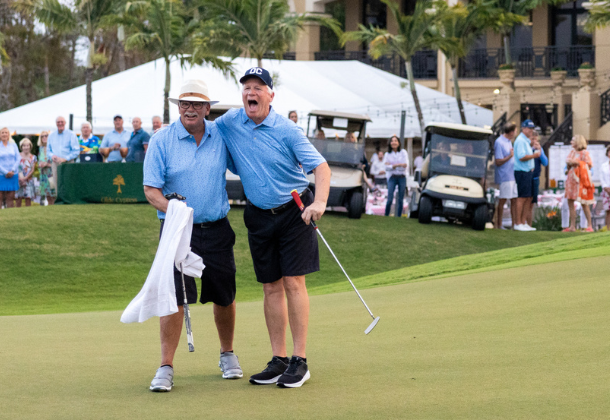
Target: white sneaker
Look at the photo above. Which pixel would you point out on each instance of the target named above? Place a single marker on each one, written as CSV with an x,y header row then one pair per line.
x,y
530,228
520,228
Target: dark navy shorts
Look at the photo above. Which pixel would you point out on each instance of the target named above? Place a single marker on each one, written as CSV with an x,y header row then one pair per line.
x,y
214,244
525,184
535,190
281,244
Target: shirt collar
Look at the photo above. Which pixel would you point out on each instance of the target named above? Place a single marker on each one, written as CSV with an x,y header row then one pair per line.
x,y
183,134
269,121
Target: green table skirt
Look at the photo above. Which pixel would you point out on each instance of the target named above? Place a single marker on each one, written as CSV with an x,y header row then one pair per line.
x,y
115,182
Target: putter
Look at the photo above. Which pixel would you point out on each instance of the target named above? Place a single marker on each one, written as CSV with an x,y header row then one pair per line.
x,y
297,200
187,315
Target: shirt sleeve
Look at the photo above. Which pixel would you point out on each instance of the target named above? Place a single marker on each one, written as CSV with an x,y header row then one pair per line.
x,y
145,138
104,141
230,163
304,151
543,159
520,150
154,164
17,158
74,148
498,150
50,141
406,159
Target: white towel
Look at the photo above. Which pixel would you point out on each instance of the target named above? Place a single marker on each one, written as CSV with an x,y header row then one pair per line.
x,y
158,295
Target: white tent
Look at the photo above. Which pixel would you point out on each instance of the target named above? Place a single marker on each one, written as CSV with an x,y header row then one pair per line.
x,y
346,86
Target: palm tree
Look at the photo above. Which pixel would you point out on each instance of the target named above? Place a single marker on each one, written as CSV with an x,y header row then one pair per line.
x,y
414,34
164,27
260,27
461,26
3,54
87,18
599,15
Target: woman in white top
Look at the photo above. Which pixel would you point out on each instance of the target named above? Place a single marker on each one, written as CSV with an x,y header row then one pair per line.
x,y
395,161
605,181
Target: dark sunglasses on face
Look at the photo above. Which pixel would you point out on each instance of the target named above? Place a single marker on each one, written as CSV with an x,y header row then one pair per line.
x,y
187,105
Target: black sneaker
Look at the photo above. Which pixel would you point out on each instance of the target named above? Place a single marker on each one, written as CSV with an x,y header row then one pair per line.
x,y
296,374
275,368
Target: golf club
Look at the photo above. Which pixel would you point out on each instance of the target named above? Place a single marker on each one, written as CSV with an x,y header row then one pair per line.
x,y
297,200
187,315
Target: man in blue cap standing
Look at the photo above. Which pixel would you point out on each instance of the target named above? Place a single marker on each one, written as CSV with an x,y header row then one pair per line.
x,y
272,156
524,174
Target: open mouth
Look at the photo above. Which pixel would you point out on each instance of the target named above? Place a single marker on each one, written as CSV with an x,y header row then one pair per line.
x,y
252,104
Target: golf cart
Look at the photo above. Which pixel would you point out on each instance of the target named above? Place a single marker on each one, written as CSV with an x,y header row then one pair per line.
x,y
453,178
339,137
235,189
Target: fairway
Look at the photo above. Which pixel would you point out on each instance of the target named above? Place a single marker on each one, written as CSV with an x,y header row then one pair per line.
x,y
525,342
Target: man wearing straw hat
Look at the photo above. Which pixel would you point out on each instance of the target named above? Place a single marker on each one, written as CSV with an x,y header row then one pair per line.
x,y
189,158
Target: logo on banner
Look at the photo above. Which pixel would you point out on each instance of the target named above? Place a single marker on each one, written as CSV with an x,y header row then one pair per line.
x,y
118,181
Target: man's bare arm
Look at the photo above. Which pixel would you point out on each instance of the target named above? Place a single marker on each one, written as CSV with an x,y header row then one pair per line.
x,y
316,209
155,198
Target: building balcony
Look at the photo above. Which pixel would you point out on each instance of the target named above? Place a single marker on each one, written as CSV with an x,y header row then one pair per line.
x,y
536,62
424,62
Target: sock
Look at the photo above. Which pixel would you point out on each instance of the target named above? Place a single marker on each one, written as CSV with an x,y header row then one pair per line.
x,y
283,359
223,352
168,365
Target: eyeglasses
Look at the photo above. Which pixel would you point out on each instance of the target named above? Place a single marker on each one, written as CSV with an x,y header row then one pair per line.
x,y
187,105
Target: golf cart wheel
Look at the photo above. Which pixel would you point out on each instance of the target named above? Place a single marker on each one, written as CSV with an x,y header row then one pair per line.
x,y
480,217
425,210
356,205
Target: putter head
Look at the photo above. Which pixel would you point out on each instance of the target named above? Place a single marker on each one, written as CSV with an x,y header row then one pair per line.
x,y
370,328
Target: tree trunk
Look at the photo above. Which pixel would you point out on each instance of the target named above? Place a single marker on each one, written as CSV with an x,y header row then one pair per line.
x,y
259,62
420,115
88,82
122,66
72,58
168,80
507,56
458,94
47,90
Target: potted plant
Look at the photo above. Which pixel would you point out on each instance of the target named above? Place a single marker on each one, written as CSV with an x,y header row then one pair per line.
x,y
558,75
507,75
586,72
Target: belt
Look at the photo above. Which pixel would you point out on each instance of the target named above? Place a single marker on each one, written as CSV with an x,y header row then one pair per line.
x,y
278,209
206,225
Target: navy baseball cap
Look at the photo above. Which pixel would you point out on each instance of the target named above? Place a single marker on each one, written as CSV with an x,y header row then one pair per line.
x,y
528,124
260,73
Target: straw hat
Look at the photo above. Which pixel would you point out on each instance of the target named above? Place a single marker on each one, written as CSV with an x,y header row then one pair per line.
x,y
194,91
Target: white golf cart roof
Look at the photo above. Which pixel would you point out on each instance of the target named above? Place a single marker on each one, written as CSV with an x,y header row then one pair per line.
x,y
223,107
461,127
333,114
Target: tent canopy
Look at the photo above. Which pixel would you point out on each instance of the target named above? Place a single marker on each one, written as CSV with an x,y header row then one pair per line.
x,y
345,86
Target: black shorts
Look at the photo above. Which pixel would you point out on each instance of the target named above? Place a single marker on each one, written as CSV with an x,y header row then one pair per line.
x,y
214,244
281,244
535,190
525,184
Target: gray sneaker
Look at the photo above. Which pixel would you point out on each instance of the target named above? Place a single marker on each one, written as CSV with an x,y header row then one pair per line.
x,y
229,364
163,380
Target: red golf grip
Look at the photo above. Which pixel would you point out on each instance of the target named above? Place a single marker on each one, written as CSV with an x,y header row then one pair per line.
x,y
297,199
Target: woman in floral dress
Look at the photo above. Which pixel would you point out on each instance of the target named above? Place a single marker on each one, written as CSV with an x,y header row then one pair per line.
x,y
578,182
47,189
27,165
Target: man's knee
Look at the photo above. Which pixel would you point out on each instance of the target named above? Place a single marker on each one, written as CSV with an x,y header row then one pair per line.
x,y
294,284
274,288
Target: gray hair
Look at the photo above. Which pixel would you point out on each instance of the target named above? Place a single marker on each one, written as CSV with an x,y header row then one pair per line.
x,y
88,124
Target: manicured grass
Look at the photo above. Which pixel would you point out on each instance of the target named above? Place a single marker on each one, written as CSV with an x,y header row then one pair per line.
x,y
96,257
527,342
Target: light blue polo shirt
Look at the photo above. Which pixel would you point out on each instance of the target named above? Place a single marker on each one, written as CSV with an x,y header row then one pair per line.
x,y
506,172
174,163
267,156
523,147
113,137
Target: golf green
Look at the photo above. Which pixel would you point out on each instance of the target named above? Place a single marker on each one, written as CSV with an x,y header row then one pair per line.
x,y
525,342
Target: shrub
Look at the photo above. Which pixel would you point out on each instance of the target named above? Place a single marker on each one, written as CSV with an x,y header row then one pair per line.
x,y
547,218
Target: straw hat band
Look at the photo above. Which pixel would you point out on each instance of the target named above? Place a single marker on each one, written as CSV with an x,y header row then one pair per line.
x,y
195,94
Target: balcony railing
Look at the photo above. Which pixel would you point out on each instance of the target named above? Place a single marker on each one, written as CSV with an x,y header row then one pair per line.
x,y
528,62
424,62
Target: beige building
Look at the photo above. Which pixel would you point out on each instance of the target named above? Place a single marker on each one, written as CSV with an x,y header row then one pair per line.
x,y
545,85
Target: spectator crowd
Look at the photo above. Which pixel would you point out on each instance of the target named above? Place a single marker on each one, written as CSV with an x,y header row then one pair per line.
x,y
24,176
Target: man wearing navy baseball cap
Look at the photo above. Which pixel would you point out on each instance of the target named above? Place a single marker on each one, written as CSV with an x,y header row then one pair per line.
x,y
524,174
267,150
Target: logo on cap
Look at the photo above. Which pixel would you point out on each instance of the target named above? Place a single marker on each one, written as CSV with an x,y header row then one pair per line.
x,y
262,74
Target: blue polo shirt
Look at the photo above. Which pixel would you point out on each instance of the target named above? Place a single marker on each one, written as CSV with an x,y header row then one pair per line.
x,y
136,146
523,148
174,163
506,172
267,156
113,137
